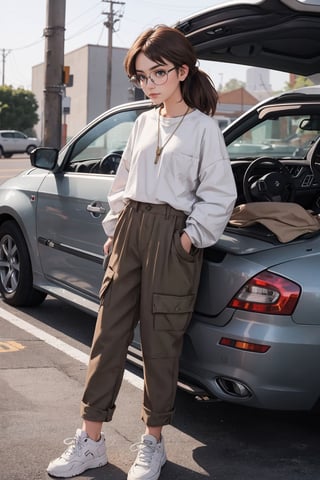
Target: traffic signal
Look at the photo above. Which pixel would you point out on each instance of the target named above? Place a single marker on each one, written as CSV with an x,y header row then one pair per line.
x,y
67,78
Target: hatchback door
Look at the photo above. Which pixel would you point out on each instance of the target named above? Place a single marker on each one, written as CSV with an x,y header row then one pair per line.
x,y
277,34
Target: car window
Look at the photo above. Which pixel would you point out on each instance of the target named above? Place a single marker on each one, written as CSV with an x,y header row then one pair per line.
x,y
108,137
19,135
7,135
282,136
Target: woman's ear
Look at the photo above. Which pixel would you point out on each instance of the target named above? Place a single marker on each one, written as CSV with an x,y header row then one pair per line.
x,y
183,72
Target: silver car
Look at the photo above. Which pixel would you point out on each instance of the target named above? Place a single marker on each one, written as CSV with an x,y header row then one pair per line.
x,y
13,141
255,334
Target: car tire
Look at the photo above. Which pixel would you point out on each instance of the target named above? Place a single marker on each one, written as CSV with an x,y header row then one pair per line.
x,y
16,278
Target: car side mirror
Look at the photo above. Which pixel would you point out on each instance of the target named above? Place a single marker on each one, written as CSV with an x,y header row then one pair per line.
x,y
44,157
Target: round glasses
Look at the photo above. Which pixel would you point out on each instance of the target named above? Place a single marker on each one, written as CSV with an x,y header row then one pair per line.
x,y
158,77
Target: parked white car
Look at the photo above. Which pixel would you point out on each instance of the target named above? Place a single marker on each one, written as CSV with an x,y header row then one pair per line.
x,y
12,141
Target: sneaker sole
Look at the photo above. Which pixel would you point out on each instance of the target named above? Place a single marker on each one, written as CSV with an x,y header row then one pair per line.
x,y
156,475
98,462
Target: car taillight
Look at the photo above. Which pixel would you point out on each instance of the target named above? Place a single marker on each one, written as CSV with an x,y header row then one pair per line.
x,y
241,345
267,293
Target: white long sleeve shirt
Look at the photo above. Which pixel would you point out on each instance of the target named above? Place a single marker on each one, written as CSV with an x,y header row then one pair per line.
x,y
193,173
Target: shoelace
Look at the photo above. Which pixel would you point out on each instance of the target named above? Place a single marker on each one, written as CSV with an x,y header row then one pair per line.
x,y
145,452
74,445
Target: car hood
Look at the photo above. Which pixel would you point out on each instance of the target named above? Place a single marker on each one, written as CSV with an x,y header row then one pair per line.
x,y
276,34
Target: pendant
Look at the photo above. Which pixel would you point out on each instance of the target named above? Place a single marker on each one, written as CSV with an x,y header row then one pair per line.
x,y
158,153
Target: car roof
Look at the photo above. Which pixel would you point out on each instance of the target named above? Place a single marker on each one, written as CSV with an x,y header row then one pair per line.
x,y
11,131
277,34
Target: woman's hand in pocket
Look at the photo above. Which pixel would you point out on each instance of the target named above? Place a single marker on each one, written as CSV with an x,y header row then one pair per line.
x,y
186,242
107,247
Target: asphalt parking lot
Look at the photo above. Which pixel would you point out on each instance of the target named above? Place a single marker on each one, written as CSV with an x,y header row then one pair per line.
x,y
43,354
10,167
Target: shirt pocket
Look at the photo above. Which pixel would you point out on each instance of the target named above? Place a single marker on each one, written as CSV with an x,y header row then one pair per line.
x,y
181,170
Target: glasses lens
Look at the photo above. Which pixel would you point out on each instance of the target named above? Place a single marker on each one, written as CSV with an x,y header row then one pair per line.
x,y
159,77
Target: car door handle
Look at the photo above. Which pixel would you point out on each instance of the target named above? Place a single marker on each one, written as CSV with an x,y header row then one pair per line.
x,y
96,208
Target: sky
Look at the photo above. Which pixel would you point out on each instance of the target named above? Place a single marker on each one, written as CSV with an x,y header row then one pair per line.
x,y
22,42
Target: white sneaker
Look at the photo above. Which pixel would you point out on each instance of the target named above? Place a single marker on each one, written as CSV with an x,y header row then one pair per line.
x,y
150,459
81,454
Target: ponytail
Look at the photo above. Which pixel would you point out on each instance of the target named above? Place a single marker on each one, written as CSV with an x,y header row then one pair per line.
x,y
198,91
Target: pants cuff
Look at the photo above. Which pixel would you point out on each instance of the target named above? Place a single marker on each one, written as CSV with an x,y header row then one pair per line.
x,y
152,419
95,414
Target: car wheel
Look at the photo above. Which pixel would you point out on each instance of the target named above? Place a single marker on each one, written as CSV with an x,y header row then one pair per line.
x,y
16,277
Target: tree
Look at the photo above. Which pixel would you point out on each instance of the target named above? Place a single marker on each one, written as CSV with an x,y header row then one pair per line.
x,y
299,82
233,84
18,109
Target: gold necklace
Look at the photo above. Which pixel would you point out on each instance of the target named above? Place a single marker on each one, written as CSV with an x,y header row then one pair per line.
x,y
160,149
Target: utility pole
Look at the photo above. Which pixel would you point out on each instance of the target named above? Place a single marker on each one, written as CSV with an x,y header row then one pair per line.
x,y
54,62
113,17
4,55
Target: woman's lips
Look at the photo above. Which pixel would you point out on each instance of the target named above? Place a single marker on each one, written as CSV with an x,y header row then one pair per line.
x,y
153,95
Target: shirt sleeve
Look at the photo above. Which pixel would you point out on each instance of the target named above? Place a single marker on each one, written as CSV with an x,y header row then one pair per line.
x,y
116,193
216,193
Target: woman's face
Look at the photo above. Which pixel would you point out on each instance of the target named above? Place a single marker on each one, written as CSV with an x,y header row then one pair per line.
x,y
160,82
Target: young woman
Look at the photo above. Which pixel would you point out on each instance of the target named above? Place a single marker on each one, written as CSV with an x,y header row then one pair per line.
x,y
172,196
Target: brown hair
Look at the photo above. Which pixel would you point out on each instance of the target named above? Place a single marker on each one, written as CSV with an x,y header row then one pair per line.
x,y
163,43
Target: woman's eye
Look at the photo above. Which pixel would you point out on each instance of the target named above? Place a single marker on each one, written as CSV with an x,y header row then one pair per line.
x,y
160,73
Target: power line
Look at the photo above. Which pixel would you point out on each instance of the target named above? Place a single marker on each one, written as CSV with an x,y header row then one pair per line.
x,y
83,13
84,28
27,46
79,32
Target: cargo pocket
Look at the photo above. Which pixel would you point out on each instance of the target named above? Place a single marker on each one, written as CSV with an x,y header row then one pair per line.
x,y
106,282
172,312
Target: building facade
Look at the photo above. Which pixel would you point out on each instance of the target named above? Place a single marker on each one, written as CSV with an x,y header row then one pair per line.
x,y
86,98
232,104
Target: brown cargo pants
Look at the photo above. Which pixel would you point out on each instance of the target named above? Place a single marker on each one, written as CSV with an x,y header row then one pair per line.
x,y
152,279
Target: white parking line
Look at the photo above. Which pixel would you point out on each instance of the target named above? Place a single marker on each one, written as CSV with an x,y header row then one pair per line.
x,y
60,345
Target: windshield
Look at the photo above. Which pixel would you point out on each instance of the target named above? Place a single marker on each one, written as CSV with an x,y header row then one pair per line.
x,y
288,136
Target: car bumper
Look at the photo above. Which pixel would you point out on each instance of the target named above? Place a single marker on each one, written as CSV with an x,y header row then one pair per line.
x,y
286,377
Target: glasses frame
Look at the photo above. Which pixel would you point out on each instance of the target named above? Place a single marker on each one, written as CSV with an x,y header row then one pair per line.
x,y
138,84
